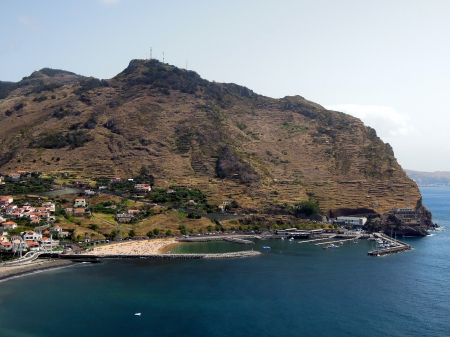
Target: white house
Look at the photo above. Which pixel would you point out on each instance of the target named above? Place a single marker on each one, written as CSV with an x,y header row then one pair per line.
x,y
56,229
32,236
9,225
80,202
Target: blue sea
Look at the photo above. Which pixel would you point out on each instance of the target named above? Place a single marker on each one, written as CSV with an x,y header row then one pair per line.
x,y
292,290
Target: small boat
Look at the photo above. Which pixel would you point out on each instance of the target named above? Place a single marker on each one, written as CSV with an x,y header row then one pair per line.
x,y
137,314
266,247
282,238
341,243
355,242
291,239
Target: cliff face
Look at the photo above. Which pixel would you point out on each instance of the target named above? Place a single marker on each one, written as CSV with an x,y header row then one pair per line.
x,y
221,138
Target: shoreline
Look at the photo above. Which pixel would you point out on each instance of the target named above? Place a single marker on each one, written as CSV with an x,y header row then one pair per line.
x,y
143,247
7,273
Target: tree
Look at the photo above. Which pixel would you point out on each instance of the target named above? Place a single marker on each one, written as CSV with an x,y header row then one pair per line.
x,y
156,231
132,233
209,228
93,226
309,207
182,229
201,230
113,234
150,234
169,232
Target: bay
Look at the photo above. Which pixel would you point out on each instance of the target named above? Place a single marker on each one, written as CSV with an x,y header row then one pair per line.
x,y
292,290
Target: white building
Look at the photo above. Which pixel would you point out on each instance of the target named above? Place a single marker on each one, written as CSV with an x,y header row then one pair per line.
x,y
354,221
80,202
32,236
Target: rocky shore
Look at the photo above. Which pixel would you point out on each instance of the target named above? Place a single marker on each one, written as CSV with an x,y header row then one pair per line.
x,y
38,266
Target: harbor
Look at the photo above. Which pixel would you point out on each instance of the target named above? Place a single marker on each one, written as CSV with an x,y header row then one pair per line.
x,y
388,245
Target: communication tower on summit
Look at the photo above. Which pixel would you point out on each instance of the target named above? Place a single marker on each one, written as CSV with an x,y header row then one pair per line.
x,y
150,53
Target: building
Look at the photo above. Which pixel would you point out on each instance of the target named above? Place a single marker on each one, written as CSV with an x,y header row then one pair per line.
x,y
6,200
293,232
79,202
124,217
405,213
9,225
79,211
56,229
355,222
143,187
32,236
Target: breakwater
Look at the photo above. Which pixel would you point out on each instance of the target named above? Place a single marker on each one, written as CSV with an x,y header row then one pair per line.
x,y
233,255
396,246
235,239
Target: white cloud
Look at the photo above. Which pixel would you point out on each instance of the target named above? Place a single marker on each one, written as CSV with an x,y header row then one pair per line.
x,y
387,121
109,2
29,23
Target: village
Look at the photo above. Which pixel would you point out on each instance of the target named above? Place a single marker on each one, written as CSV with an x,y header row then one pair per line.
x,y
31,223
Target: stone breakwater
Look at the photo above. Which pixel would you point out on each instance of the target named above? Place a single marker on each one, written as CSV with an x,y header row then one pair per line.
x,y
40,265
233,255
234,239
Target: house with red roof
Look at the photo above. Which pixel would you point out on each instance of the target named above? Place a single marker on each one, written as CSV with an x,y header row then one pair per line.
x,y
9,225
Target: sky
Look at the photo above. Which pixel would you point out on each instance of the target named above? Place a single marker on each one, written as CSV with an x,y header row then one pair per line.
x,y
386,62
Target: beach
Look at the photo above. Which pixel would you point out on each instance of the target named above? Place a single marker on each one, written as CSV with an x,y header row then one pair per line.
x,y
141,247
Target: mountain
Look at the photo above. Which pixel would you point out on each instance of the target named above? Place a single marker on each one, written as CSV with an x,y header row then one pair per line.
x,y
265,154
440,178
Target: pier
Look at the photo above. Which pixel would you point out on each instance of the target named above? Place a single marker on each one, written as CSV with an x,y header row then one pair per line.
x,y
338,241
235,239
233,255
315,240
398,248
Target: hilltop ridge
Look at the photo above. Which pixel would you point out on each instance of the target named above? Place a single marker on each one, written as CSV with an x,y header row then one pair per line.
x,y
265,154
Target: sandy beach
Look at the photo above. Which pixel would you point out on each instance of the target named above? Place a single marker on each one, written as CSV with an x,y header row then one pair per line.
x,y
142,247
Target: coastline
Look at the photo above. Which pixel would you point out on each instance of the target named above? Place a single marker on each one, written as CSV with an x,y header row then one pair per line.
x,y
7,273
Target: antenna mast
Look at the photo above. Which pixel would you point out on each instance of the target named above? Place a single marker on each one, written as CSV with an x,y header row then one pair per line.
x,y
163,57
150,53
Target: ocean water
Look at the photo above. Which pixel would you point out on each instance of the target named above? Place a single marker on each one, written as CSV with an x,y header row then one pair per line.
x,y
293,290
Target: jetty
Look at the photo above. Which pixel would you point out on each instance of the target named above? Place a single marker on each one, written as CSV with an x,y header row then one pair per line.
x,y
232,255
396,246
315,240
235,239
338,241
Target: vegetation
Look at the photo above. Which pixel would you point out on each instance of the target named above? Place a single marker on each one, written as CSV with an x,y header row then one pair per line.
x,y
308,207
180,195
59,140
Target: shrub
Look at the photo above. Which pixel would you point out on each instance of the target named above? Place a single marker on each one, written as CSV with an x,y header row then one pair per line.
x,y
59,140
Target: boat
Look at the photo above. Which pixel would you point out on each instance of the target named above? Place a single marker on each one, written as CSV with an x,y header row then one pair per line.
x,y
291,239
341,243
333,246
266,247
355,242
282,238
137,314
